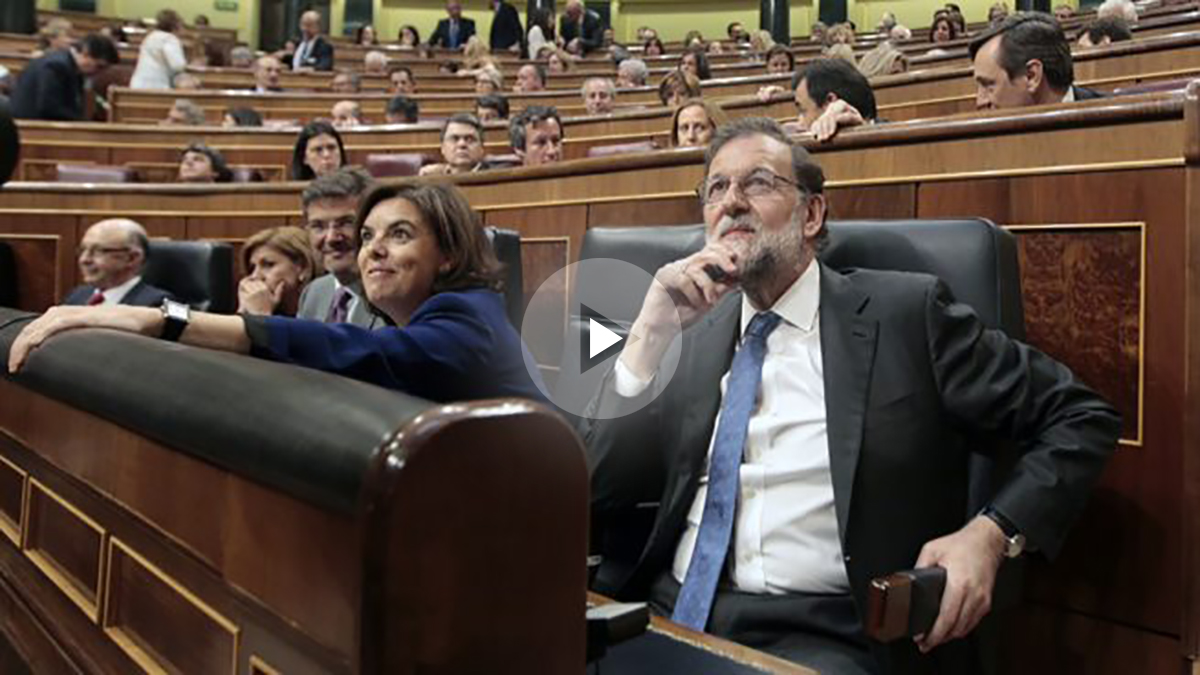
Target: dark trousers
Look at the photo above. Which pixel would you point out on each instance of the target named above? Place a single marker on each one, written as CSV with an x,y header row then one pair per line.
x,y
822,632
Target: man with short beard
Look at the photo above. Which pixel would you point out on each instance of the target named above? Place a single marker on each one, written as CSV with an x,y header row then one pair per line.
x,y
330,205
820,433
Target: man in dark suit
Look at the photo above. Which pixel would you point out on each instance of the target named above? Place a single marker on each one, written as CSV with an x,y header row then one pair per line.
x,y
313,51
831,445
51,87
111,257
1024,60
453,31
506,27
581,28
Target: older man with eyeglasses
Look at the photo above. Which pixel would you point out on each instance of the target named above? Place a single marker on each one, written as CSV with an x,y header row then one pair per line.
x,y
111,257
819,436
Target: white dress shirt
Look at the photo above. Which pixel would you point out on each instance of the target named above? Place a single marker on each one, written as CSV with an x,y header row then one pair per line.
x,y
160,59
116,294
785,535
301,53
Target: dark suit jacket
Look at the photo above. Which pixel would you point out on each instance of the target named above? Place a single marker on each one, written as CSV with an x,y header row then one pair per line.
x,y
441,36
50,88
319,57
910,377
1085,94
141,295
458,345
592,35
506,27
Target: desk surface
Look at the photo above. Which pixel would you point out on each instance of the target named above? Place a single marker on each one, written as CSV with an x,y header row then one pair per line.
x,y
670,649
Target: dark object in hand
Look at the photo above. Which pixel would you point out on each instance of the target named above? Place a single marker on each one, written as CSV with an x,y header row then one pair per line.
x,y
904,604
717,274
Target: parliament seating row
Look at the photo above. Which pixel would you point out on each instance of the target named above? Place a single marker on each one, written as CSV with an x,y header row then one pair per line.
x,y
1098,195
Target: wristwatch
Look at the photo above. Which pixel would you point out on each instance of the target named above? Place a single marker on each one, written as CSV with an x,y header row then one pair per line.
x,y
1014,544
176,316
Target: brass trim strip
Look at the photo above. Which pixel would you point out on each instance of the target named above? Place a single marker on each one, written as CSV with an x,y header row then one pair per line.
x,y
7,527
60,577
257,662
1140,226
127,643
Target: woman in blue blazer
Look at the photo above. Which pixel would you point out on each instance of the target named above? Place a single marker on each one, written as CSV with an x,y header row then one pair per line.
x,y
427,268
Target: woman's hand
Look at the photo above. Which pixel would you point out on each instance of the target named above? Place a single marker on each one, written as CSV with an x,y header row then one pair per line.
x,y
256,297
140,320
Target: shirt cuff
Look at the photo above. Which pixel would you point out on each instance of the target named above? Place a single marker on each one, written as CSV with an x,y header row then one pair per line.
x,y
626,383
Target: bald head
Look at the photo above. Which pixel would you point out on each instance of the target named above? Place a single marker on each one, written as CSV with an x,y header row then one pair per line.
x,y
347,114
310,24
267,70
574,9
112,252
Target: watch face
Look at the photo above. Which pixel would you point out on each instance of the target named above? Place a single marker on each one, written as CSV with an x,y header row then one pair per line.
x,y
177,311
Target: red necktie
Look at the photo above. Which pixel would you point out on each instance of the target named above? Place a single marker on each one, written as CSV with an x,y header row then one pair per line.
x,y
96,299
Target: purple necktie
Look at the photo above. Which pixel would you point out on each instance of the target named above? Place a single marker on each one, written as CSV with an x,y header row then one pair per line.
x,y
339,308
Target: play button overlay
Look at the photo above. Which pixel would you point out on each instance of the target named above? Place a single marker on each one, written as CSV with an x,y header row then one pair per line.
x,y
604,338
577,325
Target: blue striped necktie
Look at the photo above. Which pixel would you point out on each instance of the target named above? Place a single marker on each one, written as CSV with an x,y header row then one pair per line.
x,y
720,503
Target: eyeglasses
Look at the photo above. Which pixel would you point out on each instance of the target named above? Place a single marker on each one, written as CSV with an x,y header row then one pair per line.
x,y
97,251
344,225
753,185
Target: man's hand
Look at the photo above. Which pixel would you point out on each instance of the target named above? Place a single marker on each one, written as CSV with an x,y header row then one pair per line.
x,y
143,320
766,92
970,557
256,297
685,289
837,115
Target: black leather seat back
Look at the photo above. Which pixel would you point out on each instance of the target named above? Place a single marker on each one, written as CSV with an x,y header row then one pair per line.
x,y
8,276
507,245
199,273
976,259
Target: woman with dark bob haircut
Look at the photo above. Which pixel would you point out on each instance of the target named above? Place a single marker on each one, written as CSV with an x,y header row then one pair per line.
x,y
319,151
427,266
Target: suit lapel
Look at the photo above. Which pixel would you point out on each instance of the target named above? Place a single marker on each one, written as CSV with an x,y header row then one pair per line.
x,y
132,297
848,353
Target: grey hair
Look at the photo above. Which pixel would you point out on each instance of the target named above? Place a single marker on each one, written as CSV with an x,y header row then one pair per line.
x,y
636,70
193,112
612,88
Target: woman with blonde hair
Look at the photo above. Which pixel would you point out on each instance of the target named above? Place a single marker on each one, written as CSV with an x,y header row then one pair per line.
x,y
841,50
761,42
695,122
279,262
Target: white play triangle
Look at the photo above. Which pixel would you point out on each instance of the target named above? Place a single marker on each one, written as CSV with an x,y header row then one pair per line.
x,y
600,338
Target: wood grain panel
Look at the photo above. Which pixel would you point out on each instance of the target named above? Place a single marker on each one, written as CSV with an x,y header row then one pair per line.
x,y
66,545
37,260
63,270
671,211
540,260
12,501
1136,507
1075,644
160,623
878,201
1082,296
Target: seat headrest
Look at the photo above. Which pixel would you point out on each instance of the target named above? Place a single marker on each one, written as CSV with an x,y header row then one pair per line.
x,y
199,273
394,165
507,245
10,142
622,148
95,173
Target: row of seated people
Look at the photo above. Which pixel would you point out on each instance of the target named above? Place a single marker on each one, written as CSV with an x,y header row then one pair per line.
x,y
829,94
778,504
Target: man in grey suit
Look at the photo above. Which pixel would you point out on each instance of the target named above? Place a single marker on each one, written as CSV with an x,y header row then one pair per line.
x,y
111,257
816,433
330,206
